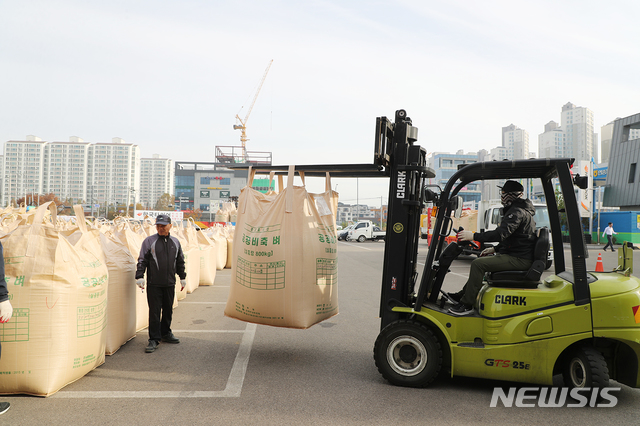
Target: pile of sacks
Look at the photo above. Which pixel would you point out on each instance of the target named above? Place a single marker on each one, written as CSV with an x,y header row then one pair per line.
x,y
72,287
227,213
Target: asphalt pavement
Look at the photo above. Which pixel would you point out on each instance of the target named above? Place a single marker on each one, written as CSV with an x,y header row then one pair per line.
x,y
227,372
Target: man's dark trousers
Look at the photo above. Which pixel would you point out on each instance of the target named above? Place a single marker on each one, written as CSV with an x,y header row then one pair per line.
x,y
160,301
481,265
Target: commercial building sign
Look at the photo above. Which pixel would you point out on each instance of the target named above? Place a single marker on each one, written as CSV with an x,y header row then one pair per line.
x,y
585,196
600,174
141,214
204,194
225,194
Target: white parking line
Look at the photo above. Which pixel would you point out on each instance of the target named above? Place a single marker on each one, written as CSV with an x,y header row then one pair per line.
x,y
354,245
231,390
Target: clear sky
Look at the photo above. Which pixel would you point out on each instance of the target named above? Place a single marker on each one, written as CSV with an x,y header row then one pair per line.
x,y
170,76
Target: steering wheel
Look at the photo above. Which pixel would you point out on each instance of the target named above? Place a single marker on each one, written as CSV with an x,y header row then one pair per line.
x,y
468,243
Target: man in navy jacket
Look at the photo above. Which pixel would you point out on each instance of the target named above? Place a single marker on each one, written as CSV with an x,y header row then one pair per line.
x,y
162,258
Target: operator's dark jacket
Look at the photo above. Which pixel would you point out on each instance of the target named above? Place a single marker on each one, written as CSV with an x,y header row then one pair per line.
x,y
517,231
162,258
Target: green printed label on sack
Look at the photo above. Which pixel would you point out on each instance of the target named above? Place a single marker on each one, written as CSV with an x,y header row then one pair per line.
x,y
251,312
15,373
84,361
19,280
325,308
326,235
91,319
94,264
93,281
17,328
261,229
260,275
326,271
13,260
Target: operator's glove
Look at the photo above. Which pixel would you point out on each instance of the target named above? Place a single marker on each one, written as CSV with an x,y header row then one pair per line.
x,y
183,283
140,283
6,310
465,236
488,251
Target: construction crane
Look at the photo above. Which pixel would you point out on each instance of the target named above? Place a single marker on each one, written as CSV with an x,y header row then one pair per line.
x,y
243,123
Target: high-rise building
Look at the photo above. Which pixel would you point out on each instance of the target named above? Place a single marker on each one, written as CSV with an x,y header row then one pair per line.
x,y
551,142
606,133
23,168
516,142
156,179
65,169
579,139
77,171
113,173
573,138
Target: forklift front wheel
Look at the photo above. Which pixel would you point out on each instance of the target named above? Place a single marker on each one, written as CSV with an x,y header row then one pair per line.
x,y
408,354
586,368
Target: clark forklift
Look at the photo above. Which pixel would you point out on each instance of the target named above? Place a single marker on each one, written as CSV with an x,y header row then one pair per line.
x,y
581,324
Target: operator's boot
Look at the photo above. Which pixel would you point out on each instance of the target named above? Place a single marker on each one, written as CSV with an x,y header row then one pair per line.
x,y
461,309
456,297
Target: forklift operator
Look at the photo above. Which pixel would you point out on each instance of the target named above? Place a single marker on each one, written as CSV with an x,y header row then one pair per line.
x,y
516,238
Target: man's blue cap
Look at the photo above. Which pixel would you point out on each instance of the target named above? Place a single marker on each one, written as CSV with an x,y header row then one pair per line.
x,y
163,219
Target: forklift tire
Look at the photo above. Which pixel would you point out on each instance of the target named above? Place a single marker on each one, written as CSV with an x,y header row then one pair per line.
x,y
362,239
585,367
549,264
408,354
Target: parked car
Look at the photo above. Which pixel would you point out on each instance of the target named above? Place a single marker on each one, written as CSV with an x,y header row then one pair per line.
x,y
342,235
366,230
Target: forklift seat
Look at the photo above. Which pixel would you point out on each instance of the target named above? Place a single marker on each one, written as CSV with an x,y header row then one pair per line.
x,y
529,278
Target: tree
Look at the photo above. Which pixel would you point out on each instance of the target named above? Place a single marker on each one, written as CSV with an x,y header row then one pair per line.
x,y
39,199
195,214
164,203
564,224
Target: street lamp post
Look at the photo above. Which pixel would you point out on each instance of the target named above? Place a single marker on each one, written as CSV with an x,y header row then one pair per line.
x,y
132,190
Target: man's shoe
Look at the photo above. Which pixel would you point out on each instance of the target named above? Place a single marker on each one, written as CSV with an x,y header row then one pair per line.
x,y
461,309
151,347
4,406
170,338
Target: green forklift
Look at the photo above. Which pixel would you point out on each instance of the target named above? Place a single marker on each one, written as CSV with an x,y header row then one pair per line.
x,y
582,324
525,328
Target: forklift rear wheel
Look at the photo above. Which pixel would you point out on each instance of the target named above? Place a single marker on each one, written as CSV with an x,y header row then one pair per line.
x,y
361,238
408,354
586,368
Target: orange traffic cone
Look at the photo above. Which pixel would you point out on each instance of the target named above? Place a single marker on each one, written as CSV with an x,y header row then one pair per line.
x,y
599,266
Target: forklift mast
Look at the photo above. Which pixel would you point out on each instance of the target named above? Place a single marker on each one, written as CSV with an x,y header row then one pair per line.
x,y
405,164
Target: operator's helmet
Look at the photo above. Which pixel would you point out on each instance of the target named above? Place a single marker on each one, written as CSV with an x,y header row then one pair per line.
x,y
511,190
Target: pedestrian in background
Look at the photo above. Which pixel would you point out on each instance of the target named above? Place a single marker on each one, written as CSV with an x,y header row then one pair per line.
x,y
6,310
608,231
162,258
